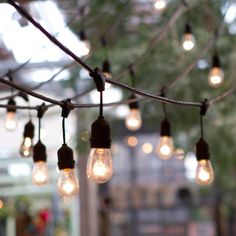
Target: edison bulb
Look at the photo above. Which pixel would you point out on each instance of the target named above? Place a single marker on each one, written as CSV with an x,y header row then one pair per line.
x,y
85,47
160,4
165,147
11,121
40,174
188,42
204,173
68,185
99,167
133,121
216,77
26,149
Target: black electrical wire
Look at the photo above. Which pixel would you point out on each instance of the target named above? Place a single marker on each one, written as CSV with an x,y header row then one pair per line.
x,y
63,130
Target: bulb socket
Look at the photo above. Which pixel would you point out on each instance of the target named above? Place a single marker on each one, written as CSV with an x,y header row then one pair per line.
x,y
11,102
82,35
100,134
39,152
106,67
65,158
202,150
133,105
188,29
29,130
165,128
216,61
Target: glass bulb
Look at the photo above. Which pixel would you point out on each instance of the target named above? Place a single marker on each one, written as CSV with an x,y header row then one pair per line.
x,y
11,121
99,167
26,149
133,121
40,174
68,185
204,173
188,42
160,4
165,147
85,47
216,77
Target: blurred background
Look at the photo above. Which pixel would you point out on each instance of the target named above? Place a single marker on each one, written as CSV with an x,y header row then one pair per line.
x,y
147,195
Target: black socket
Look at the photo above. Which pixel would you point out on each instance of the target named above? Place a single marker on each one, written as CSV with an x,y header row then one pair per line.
x,y
133,105
100,134
82,35
39,152
202,150
29,130
188,29
216,61
165,128
106,67
11,102
65,158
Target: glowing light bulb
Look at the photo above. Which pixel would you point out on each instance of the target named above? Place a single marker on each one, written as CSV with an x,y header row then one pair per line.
x,y
204,173
165,147
133,121
26,149
216,77
160,4
67,183
40,174
11,122
99,167
188,42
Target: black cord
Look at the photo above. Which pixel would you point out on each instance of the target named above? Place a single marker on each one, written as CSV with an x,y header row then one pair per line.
x,y
63,130
164,109
201,124
39,131
101,103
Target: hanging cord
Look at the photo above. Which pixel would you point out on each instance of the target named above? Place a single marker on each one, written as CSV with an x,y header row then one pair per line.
x,y
66,109
104,46
63,130
163,94
101,104
132,75
10,77
203,110
41,111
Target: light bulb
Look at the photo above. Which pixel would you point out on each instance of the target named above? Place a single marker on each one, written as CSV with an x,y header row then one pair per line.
x,y
67,183
133,121
160,4
11,121
26,149
85,47
165,147
188,42
40,174
99,166
216,77
204,172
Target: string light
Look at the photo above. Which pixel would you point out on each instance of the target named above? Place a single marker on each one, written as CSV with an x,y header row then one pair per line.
x,y
85,44
204,171
216,74
160,4
68,185
165,146
99,166
40,173
179,154
26,149
11,122
188,40
133,121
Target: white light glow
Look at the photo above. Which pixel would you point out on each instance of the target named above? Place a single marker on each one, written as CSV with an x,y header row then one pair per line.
x,y
18,170
230,15
190,165
110,95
